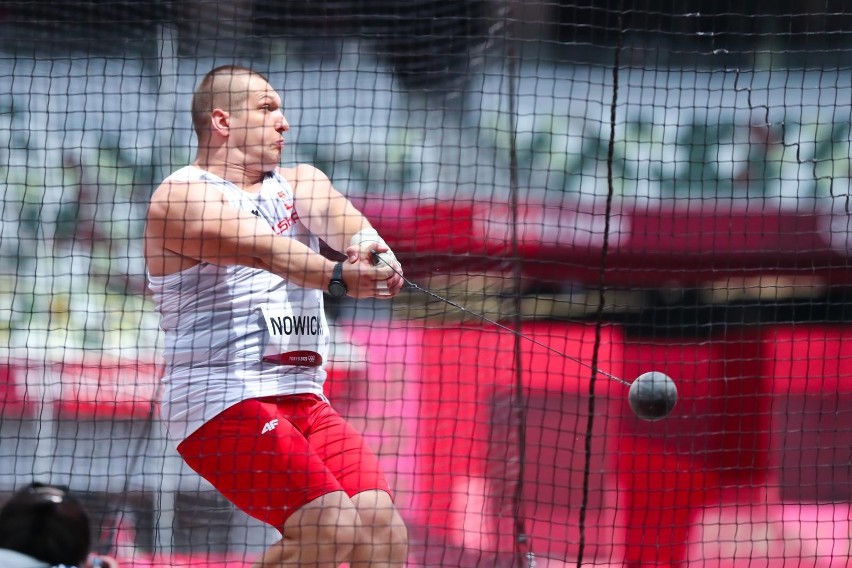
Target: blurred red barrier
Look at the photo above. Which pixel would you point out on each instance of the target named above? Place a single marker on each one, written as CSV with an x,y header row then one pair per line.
x,y
648,245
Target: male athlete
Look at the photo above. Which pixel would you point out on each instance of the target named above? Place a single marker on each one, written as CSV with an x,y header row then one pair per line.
x,y
232,252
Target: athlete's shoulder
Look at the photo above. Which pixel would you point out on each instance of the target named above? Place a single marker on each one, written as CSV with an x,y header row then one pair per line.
x,y
182,178
302,173
187,174
185,189
306,180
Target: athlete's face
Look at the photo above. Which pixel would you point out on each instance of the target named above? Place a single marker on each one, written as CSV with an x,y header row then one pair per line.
x,y
257,126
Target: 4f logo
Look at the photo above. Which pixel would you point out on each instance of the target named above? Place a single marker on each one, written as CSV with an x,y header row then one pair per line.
x,y
270,426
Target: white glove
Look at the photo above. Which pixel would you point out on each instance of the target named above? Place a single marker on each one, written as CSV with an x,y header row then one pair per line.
x,y
370,235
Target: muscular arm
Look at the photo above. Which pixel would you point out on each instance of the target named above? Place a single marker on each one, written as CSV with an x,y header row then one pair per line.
x,y
330,215
190,223
324,210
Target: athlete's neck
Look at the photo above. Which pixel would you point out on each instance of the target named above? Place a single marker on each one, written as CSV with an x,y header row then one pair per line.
x,y
246,179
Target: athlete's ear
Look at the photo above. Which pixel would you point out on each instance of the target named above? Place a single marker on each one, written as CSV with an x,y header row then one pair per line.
x,y
220,121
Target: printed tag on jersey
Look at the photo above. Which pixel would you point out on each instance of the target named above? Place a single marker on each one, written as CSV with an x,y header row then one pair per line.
x,y
293,338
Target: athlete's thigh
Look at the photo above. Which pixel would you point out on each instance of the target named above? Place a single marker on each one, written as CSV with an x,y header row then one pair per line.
x,y
345,452
256,456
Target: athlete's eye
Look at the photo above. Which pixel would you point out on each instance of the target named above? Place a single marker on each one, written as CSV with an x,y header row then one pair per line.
x,y
267,108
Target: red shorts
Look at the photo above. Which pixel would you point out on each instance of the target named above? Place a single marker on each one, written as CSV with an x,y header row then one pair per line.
x,y
272,455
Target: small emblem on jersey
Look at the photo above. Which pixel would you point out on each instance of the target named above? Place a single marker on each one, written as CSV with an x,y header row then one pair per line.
x,y
298,358
270,426
255,212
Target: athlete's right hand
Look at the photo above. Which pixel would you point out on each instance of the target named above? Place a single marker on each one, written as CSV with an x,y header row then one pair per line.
x,y
371,279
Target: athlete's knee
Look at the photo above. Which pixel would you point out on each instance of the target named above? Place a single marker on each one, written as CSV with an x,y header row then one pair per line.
x,y
388,525
328,526
381,524
337,536
397,536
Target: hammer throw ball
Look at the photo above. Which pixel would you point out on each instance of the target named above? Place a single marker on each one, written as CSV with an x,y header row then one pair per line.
x,y
652,396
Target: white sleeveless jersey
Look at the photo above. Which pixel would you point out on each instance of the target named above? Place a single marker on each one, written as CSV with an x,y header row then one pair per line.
x,y
221,321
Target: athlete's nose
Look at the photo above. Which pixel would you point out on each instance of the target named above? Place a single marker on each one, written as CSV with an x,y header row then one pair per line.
x,y
282,125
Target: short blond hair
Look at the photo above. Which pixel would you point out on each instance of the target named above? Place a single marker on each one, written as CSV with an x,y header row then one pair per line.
x,y
216,91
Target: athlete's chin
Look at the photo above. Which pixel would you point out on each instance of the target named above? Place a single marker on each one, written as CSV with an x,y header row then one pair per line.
x,y
273,160
268,166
